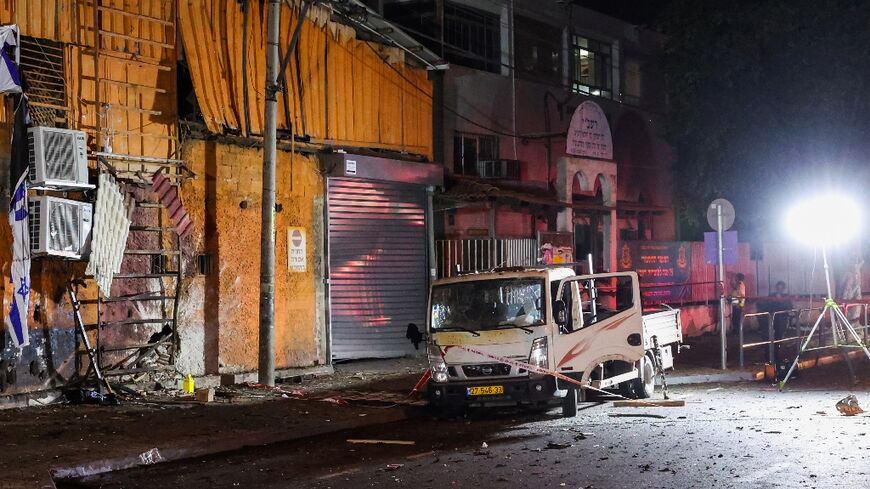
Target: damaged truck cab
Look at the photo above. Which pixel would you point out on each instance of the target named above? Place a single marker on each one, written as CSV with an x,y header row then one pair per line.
x,y
487,330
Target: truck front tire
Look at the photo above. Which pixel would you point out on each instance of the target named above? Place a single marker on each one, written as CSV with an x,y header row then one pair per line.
x,y
644,386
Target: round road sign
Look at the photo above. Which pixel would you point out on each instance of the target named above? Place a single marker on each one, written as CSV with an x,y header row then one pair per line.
x,y
296,238
727,214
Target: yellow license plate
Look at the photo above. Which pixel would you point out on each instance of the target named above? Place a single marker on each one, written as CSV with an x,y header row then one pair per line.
x,y
486,390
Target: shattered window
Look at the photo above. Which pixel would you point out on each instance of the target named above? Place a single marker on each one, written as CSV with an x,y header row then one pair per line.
x,y
488,304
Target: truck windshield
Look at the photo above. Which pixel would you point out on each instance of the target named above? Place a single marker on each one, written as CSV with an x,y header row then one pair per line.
x,y
488,304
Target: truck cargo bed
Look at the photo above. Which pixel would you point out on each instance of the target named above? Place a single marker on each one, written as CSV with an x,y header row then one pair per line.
x,y
664,325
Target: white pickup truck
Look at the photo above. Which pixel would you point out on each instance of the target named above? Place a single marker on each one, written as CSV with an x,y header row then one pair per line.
x,y
590,328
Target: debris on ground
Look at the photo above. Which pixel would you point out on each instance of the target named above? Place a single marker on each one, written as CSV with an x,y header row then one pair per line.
x,y
848,406
90,396
334,400
204,395
392,467
484,445
640,403
365,441
636,415
557,446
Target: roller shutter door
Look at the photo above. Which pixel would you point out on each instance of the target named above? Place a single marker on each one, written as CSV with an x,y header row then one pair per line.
x,y
377,266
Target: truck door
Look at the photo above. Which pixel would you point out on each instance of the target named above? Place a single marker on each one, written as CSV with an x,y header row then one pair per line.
x,y
602,319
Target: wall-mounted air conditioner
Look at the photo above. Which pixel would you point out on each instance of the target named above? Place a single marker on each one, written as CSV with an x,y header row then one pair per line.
x,y
58,158
499,169
59,227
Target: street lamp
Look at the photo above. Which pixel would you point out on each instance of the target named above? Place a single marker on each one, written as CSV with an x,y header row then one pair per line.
x,y
823,221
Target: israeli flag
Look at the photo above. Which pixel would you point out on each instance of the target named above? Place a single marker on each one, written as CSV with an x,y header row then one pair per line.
x,y
20,279
11,82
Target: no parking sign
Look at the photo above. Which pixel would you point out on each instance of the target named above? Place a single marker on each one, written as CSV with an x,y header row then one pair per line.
x,y
296,261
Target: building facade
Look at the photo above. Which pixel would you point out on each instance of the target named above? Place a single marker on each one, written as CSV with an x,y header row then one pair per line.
x,y
177,87
519,72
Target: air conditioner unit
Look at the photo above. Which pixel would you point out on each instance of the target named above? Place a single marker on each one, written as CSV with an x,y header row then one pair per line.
x,y
500,169
58,158
59,227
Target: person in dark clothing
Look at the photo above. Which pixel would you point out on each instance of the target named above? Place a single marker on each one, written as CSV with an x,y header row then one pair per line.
x,y
778,301
738,301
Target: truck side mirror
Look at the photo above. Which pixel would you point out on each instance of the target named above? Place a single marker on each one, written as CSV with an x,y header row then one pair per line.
x,y
413,333
559,313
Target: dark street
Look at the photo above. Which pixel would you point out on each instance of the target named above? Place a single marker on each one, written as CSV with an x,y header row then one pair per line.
x,y
743,435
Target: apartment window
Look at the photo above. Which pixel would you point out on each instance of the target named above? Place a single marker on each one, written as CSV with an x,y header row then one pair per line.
x,y
538,50
633,81
468,149
42,62
592,67
472,37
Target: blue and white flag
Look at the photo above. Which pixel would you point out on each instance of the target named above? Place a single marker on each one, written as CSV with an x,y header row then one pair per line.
x,y
10,76
20,279
11,82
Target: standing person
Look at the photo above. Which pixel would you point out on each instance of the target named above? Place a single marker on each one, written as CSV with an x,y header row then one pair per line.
x,y
738,301
780,302
850,288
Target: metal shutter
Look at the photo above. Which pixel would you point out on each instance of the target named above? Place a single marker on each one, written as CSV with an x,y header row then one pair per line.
x,y
377,266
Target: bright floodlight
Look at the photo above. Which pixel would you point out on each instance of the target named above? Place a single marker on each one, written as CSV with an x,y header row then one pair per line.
x,y
824,220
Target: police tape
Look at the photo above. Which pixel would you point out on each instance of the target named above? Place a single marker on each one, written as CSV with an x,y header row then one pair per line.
x,y
553,373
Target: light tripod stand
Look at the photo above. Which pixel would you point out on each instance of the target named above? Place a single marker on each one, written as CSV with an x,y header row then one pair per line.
x,y
840,325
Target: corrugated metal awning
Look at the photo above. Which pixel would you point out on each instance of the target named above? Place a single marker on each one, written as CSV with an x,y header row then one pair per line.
x,y
467,190
377,26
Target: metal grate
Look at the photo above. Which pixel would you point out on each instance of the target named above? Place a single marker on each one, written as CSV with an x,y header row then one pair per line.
x,y
42,62
31,168
475,255
35,217
63,231
60,155
486,370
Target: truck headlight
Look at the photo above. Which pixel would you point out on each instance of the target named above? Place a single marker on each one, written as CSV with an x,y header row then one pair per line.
x,y
436,364
538,355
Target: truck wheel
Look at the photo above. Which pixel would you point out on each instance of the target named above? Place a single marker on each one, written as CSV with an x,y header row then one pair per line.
x,y
645,385
569,403
626,389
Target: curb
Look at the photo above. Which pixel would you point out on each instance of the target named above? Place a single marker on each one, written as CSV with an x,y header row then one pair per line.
x,y
174,453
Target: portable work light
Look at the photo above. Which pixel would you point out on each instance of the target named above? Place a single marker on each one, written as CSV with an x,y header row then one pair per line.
x,y
823,221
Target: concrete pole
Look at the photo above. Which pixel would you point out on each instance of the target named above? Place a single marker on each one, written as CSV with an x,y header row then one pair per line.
x,y
720,253
267,243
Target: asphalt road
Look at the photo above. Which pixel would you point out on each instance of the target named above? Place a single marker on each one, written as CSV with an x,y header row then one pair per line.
x,y
743,435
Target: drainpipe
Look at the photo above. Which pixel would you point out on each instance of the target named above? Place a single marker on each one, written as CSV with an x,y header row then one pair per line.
x,y
266,364
438,136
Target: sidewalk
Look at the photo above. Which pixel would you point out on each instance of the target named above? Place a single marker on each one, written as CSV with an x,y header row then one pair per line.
x,y
66,440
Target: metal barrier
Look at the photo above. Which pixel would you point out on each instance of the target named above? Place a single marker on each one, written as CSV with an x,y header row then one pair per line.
x,y
473,255
740,330
772,341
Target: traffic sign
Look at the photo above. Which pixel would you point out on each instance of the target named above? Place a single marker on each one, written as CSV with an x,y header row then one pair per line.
x,y
727,214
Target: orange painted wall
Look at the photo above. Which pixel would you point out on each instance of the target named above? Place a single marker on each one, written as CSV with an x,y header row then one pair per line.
x,y
226,332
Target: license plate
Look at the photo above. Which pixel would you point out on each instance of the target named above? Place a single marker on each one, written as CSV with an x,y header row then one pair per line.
x,y
486,390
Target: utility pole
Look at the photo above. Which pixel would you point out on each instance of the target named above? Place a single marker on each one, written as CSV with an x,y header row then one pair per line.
x,y
267,244
721,259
